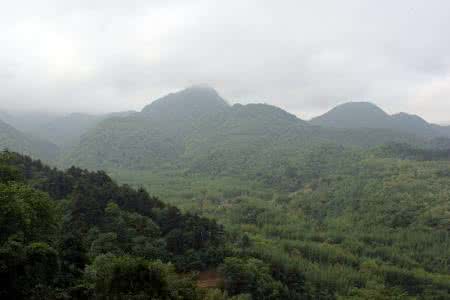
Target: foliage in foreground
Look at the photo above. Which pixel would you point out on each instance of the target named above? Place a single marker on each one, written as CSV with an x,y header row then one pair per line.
x,y
78,235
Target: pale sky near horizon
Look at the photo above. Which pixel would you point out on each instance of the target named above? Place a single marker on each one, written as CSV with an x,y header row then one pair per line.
x,y
304,56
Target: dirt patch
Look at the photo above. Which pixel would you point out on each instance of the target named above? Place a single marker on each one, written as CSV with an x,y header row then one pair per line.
x,y
209,279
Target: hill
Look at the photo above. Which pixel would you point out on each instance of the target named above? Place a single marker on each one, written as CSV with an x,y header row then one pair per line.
x,y
443,130
196,129
67,130
192,102
15,140
416,125
27,121
354,115
359,115
79,235
360,225
156,135
61,130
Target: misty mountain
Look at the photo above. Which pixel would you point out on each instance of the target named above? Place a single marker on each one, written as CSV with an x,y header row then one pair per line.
x,y
191,103
443,130
359,115
66,130
15,140
61,130
414,124
354,115
156,134
198,129
27,121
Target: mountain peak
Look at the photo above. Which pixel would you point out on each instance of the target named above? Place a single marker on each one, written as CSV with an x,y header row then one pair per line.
x,y
359,106
190,102
415,124
354,115
406,116
199,88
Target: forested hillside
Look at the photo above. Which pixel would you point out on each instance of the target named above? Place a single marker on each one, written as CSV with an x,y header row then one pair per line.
x,y
357,115
65,131
187,128
357,224
61,130
78,235
196,126
13,139
255,204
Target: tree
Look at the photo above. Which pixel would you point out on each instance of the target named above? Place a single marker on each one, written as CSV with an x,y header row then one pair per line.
x,y
125,276
41,265
251,276
26,212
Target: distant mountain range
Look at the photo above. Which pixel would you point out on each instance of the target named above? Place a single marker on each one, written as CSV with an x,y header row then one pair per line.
x,y
66,130
15,140
197,129
357,115
62,130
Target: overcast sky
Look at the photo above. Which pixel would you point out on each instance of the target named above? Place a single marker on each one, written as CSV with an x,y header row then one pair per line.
x,y
304,56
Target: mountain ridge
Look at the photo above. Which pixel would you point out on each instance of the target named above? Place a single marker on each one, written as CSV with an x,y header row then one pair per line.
x,y
61,130
194,101
354,115
196,124
15,140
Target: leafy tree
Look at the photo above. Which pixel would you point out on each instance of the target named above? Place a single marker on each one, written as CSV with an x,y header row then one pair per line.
x,y
41,265
26,212
251,276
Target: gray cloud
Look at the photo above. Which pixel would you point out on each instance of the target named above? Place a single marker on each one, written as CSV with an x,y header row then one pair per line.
x,y
301,55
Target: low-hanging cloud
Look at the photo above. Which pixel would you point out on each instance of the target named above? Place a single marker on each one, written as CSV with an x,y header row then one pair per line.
x,y
304,56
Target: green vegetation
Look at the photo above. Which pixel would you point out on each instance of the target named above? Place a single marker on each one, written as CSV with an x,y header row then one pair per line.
x,y
358,115
377,228
359,224
196,129
256,204
61,130
13,139
77,234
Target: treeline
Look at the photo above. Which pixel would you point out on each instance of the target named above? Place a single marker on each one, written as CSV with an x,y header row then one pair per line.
x,y
406,151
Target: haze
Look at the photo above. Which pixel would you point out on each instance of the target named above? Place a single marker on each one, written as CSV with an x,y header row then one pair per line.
x,y
304,56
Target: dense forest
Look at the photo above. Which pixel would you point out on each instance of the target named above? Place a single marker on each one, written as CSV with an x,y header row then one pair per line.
x,y
196,128
78,235
214,201
357,224
360,225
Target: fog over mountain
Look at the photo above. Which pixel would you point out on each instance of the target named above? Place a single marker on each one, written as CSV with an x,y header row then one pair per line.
x,y
105,56
12,139
225,150
197,121
198,129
